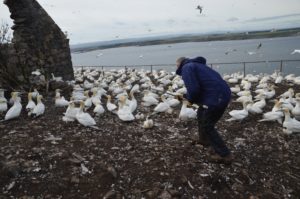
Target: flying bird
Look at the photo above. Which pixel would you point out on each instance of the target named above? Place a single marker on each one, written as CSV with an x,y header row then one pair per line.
x,y
295,51
200,8
259,46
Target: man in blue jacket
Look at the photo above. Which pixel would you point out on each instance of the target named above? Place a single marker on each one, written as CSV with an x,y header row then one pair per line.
x,y
206,88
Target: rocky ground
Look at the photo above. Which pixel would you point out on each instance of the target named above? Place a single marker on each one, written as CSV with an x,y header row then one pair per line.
x,y
47,158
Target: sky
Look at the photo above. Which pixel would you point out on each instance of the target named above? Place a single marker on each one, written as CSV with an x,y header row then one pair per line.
x,y
102,20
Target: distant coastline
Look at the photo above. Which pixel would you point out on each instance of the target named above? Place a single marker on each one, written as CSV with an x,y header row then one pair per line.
x,y
186,38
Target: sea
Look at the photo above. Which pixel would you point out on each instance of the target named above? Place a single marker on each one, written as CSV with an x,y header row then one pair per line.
x,y
223,56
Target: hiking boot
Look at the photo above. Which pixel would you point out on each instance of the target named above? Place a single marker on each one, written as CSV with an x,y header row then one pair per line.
x,y
216,158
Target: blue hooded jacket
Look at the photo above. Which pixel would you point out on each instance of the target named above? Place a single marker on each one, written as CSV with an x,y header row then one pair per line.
x,y
204,85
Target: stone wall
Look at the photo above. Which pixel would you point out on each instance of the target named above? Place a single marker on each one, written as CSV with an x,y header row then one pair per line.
x,y
38,42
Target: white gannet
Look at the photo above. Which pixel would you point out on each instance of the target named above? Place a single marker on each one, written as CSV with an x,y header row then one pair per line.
x,y
88,101
15,110
39,109
124,112
270,94
110,106
84,118
3,105
254,108
132,102
296,109
30,105
243,93
274,115
3,101
60,101
35,93
162,106
148,99
289,92
261,101
235,89
173,101
239,114
186,113
70,114
291,124
295,51
96,98
98,110
245,98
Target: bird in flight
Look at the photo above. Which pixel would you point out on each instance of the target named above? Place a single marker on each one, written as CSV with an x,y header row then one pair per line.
x,y
259,46
200,8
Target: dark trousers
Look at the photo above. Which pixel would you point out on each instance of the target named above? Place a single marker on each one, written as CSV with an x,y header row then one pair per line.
x,y
207,119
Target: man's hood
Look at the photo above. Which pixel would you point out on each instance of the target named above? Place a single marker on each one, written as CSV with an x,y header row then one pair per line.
x,y
200,60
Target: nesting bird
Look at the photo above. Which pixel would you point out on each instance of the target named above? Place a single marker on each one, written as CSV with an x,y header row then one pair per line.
x,y
85,118
15,110
39,109
30,105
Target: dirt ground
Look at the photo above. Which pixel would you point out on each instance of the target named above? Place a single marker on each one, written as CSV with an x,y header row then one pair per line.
x,y
48,158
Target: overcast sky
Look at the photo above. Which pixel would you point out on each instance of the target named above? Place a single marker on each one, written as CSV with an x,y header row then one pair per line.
x,y
99,20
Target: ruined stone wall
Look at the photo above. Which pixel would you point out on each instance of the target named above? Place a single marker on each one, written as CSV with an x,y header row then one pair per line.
x,y
38,43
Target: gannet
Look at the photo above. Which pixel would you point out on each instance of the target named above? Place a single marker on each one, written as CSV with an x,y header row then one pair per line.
x,y
291,124
57,79
243,93
124,112
98,110
295,51
254,109
173,102
3,101
30,105
3,105
70,114
110,106
148,99
11,100
60,101
84,118
245,98
261,103
39,109
88,101
95,98
296,109
132,102
162,106
270,94
274,115
289,92
15,110
186,113
35,93
239,114
235,89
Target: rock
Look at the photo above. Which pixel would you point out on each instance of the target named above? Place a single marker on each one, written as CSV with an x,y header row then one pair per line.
x,y
75,179
165,195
